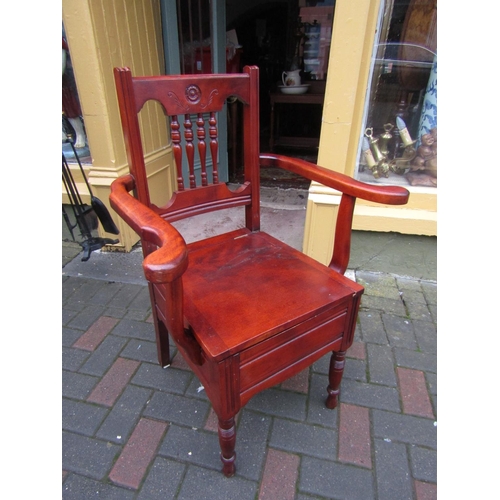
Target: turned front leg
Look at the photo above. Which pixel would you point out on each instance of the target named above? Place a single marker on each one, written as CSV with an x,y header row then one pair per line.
x,y
227,440
337,363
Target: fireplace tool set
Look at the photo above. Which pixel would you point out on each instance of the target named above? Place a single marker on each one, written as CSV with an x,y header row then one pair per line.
x,y
86,216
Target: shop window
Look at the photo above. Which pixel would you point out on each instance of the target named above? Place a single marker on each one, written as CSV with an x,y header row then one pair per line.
x,y
73,127
398,143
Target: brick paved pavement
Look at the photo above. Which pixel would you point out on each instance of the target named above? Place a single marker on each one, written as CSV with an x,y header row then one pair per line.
x,y
132,430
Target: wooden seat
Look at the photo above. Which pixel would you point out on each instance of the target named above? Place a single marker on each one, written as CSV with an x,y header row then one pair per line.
x,y
244,309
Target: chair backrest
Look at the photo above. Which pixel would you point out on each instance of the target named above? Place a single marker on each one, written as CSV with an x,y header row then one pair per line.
x,y
191,102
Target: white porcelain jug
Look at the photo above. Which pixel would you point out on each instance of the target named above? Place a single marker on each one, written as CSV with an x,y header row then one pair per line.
x,y
291,78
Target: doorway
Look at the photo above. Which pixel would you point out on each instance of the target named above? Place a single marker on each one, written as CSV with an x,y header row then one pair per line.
x,y
195,42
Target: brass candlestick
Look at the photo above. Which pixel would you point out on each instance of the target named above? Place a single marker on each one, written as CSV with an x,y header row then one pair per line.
x,y
377,154
385,138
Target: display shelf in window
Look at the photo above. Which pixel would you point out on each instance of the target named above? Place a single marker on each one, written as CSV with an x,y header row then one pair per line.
x,y
398,141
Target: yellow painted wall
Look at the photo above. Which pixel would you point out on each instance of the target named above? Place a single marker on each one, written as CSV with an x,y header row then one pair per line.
x,y
353,36
103,34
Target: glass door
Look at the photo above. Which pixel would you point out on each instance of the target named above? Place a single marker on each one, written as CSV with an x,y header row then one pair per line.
x,y
194,34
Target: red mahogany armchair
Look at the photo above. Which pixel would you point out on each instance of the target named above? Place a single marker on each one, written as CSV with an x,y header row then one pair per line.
x,y
244,309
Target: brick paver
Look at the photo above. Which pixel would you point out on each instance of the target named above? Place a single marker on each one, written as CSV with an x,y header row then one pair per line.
x,y
414,393
357,350
425,491
132,429
96,333
299,382
354,435
138,453
113,382
211,423
280,476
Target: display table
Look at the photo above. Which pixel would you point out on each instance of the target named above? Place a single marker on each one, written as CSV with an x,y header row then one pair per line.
x,y
315,96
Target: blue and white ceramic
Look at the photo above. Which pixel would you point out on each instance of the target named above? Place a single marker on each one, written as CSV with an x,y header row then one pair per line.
x,y
428,118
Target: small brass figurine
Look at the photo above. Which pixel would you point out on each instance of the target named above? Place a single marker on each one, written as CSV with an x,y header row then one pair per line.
x,y
423,171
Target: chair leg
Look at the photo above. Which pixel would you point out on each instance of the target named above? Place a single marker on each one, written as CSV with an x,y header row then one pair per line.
x,y
337,363
227,440
162,343
161,332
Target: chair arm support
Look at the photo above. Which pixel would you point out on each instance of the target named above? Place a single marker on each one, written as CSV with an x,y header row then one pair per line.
x,y
170,260
389,195
350,189
163,266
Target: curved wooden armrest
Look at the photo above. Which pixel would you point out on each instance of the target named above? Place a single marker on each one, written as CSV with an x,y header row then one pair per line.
x,y
389,195
350,189
170,260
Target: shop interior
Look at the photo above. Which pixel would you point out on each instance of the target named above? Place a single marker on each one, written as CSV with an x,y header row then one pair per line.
x,y
403,62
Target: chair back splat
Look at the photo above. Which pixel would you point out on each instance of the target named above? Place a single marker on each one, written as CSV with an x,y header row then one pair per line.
x,y
192,104
244,309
